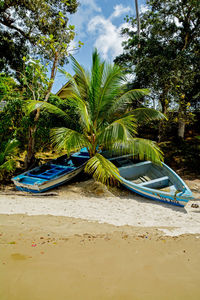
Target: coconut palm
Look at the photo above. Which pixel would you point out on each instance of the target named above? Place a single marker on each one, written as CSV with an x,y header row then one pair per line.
x,y
102,104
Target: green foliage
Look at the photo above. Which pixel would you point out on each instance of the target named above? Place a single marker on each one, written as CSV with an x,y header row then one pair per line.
x,y
8,87
102,105
34,79
167,56
7,152
34,26
14,120
183,156
102,169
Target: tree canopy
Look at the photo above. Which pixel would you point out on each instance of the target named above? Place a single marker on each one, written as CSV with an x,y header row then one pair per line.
x,y
168,57
33,26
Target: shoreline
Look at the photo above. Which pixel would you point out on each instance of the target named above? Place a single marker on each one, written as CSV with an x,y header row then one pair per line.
x,y
91,201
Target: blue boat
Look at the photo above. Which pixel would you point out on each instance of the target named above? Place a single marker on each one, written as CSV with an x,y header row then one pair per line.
x,y
153,181
52,174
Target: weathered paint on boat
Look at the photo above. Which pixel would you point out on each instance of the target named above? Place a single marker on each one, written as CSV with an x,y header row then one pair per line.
x,y
159,176
52,174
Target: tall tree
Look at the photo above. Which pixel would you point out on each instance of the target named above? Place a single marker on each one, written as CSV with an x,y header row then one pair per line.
x,y
40,28
25,23
169,57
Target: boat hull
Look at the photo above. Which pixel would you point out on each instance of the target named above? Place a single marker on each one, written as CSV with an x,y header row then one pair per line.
x,y
48,185
155,182
52,174
155,195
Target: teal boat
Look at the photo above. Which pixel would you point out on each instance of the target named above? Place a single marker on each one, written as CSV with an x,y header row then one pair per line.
x,y
52,174
156,182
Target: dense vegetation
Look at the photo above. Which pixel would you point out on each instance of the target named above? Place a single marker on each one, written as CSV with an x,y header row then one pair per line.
x,y
37,27
162,55
165,57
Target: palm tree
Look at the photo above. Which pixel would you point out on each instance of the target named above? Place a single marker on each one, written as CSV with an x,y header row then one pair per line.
x,y
102,105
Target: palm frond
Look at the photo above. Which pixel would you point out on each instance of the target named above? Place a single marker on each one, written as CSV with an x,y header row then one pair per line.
x,y
33,105
125,100
82,78
80,106
8,165
102,169
71,86
11,148
111,88
121,130
141,149
95,84
68,139
145,114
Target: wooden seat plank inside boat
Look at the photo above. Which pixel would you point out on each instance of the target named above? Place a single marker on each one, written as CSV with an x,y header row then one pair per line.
x,y
54,170
156,183
146,174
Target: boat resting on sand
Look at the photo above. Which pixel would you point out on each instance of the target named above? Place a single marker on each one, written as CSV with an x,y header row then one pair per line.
x,y
157,182
52,174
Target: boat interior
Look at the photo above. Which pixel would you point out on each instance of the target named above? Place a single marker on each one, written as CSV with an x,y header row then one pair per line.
x,y
146,174
51,172
57,167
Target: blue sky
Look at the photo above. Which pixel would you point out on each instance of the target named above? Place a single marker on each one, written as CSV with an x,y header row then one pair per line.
x,y
98,24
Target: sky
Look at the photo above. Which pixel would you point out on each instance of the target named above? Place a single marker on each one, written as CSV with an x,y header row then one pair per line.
x,y
98,23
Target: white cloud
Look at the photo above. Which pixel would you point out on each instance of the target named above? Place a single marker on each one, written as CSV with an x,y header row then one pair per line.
x,y
72,46
89,20
86,10
90,3
119,10
109,39
108,36
143,8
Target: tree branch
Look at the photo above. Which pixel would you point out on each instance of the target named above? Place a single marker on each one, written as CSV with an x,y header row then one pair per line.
x,y
8,23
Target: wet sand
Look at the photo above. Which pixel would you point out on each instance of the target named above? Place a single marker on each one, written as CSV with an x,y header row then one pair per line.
x,y
51,257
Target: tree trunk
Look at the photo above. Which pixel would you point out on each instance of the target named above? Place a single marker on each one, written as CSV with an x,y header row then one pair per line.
x,y
138,18
164,103
162,123
181,128
30,156
53,74
138,21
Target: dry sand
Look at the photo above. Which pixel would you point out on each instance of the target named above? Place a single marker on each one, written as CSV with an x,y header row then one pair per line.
x,y
48,251
93,202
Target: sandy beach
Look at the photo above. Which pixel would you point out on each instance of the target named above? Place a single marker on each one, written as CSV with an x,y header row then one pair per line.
x,y
87,242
